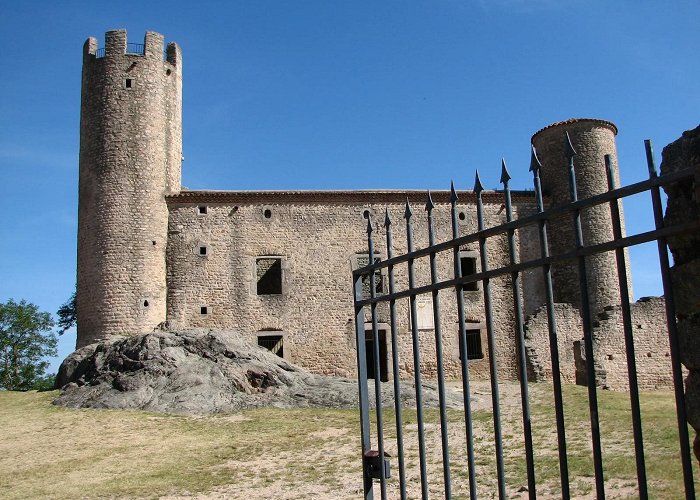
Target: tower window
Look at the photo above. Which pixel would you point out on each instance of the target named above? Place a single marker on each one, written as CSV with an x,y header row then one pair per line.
x,y
267,213
202,250
128,83
202,209
204,310
269,275
145,303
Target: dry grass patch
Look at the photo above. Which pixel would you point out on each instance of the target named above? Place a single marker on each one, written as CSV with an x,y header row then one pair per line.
x,y
48,451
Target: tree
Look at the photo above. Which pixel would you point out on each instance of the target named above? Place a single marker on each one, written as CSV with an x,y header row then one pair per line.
x,y
25,340
66,315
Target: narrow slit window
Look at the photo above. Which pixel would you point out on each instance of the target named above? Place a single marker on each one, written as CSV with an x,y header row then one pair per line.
x,y
128,83
269,275
468,265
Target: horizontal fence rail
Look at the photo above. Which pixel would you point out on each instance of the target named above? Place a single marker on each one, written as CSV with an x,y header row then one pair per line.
x,y
375,460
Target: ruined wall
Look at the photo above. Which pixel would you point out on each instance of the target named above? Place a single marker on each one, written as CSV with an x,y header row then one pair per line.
x,y
652,355
130,154
318,235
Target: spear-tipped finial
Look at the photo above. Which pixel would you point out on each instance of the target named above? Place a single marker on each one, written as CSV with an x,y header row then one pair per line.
x,y
453,193
478,187
429,205
369,225
569,150
387,219
505,175
408,213
535,164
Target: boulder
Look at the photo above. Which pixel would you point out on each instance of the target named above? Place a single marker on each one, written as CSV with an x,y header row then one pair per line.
x,y
206,371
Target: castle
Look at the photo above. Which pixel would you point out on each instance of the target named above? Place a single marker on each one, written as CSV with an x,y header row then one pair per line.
x,y
275,265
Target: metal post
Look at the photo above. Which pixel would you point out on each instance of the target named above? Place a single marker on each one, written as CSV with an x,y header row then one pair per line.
x,y
416,357
493,366
377,366
535,167
629,338
587,330
395,361
520,340
429,206
672,331
464,362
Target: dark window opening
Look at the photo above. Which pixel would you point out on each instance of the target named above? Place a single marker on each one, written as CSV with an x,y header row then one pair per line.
x,y
204,310
154,243
128,83
269,275
267,213
365,214
369,356
474,350
202,250
362,261
273,343
202,209
462,216
145,303
468,265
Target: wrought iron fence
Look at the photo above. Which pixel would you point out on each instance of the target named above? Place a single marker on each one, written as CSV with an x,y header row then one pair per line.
x,y
374,459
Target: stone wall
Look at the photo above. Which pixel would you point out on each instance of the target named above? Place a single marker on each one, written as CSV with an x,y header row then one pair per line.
x,y
652,355
130,154
318,235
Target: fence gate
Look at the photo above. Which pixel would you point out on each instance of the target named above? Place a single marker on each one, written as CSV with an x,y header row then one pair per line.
x,y
425,465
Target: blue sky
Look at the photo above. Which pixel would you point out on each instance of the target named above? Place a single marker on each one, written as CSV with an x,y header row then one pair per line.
x,y
340,94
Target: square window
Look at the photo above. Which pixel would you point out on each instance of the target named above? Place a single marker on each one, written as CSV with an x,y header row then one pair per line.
x,y
202,209
273,343
202,250
474,349
269,275
204,310
362,260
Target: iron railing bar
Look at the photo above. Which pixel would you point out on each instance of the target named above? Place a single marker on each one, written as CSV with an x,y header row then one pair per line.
x,y
672,331
491,340
416,358
628,241
464,350
629,337
520,344
362,385
438,356
377,365
550,213
535,167
395,364
587,320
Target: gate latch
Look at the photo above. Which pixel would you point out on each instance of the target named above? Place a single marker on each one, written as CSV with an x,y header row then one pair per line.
x,y
373,464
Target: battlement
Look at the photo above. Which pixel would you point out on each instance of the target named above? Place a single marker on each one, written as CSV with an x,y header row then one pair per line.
x,y
116,45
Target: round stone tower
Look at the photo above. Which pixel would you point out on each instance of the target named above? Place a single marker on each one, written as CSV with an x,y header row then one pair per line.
x,y
130,158
592,140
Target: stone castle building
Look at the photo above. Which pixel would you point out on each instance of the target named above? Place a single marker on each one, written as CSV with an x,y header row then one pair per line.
x,y
275,265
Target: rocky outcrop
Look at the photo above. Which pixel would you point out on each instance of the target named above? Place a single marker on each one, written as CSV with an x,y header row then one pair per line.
x,y
684,206
204,371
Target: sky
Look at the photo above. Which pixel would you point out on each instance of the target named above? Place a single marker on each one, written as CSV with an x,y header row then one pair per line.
x,y
340,95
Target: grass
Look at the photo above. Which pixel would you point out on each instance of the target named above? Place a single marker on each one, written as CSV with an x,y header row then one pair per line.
x,y
48,451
